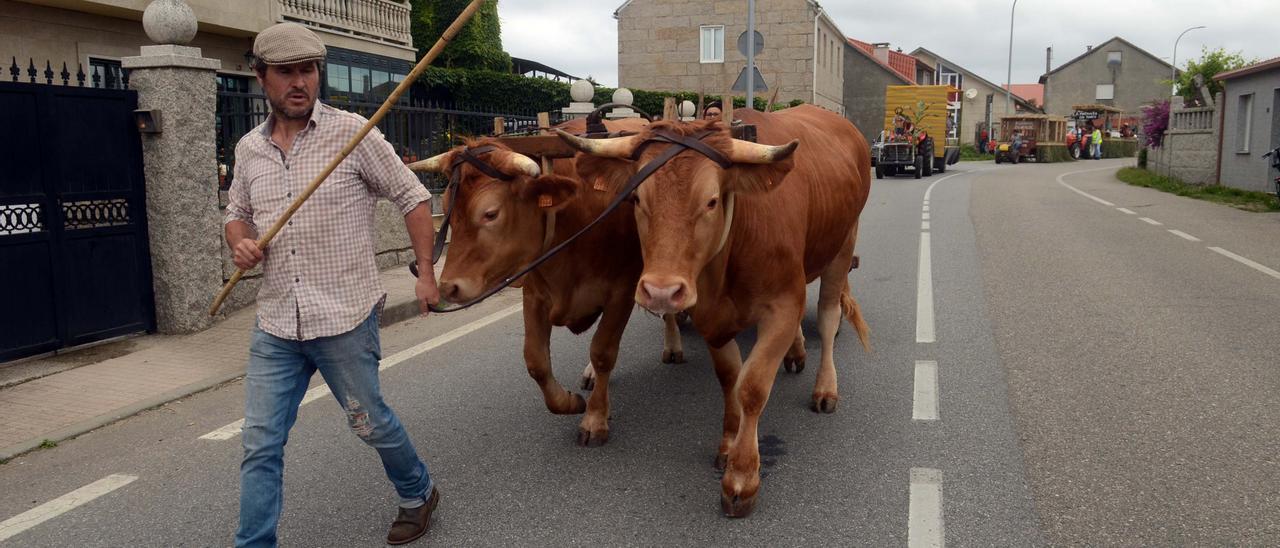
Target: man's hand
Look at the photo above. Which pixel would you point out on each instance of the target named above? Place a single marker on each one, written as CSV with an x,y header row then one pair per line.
x,y
245,254
426,290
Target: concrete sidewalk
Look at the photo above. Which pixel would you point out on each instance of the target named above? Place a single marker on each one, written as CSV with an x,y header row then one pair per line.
x,y
167,367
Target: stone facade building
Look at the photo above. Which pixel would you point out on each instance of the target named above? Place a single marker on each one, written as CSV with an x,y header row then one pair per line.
x,y
1114,73
369,45
988,97
691,45
1251,125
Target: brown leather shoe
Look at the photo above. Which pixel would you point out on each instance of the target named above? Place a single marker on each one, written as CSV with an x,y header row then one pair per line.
x,y
412,523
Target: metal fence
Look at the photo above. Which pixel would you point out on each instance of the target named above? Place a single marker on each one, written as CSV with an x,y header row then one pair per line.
x,y
417,130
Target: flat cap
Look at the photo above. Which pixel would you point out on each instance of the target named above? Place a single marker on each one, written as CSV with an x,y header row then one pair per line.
x,y
288,43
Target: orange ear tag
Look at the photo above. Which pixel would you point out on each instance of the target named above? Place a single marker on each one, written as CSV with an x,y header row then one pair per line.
x,y
545,201
600,184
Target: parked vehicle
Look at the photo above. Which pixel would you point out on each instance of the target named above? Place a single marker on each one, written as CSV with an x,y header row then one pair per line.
x,y
1275,164
915,119
1027,134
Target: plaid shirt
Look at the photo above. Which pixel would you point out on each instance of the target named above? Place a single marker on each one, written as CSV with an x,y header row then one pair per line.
x,y
319,274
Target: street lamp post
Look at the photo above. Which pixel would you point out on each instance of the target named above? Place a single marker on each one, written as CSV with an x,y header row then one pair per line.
x,y
1008,80
1173,73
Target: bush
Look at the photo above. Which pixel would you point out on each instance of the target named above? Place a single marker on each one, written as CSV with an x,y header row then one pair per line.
x,y
1142,158
1119,148
1155,121
969,153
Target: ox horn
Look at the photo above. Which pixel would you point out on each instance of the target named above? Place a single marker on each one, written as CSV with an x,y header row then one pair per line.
x,y
617,147
746,152
434,164
525,164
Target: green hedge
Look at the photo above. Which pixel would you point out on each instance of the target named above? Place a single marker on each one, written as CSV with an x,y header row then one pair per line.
x,y
512,93
1049,154
1119,148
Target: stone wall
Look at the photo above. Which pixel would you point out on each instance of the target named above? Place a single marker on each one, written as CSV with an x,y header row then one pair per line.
x,y
658,48
1189,151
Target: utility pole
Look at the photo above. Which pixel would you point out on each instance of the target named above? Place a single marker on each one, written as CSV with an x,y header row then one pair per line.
x,y
751,54
1008,80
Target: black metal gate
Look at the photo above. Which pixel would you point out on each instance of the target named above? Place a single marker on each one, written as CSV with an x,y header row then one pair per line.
x,y
73,236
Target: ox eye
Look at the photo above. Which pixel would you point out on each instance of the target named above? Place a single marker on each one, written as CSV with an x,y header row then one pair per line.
x,y
491,215
712,204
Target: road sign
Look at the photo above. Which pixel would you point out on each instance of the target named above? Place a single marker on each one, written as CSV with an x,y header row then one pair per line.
x,y
742,43
740,85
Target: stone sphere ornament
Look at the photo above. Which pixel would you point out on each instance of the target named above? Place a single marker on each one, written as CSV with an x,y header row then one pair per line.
x,y
687,108
623,96
582,91
169,22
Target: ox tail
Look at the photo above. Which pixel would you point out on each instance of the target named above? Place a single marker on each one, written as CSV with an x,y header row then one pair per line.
x,y
853,314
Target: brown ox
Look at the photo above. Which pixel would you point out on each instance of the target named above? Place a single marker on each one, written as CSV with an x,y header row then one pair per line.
x,y
795,217
501,226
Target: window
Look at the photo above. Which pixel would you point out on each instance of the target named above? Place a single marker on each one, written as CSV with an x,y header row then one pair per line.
x,y
361,80
1105,92
1113,57
232,83
712,44
1244,123
339,78
107,74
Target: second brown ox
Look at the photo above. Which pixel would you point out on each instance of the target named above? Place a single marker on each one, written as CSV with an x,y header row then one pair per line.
x,y
738,245
500,226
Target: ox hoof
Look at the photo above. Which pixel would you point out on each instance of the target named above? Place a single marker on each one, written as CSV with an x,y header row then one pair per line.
x,y
735,506
722,460
587,438
587,382
673,356
793,365
824,403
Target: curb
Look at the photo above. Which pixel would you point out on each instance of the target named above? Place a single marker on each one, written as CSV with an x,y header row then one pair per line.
x,y
392,313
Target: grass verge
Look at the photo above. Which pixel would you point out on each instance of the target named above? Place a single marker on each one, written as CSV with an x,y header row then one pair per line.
x,y
969,153
1240,199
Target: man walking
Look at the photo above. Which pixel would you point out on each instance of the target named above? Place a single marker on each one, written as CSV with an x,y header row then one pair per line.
x,y
1096,142
320,298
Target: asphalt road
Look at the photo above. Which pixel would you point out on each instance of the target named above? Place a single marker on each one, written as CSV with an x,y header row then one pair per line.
x,y
1099,380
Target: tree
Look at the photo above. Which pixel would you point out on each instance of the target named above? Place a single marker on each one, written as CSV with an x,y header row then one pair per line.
x,y
478,46
1210,64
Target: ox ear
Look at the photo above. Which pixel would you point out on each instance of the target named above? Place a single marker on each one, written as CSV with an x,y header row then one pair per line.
x,y
748,178
548,192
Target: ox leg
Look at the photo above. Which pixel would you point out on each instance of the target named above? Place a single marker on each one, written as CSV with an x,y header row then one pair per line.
x,y
728,362
537,358
794,360
594,429
672,345
834,286
741,482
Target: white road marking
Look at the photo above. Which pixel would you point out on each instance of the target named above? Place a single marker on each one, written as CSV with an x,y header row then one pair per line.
x,y
232,430
924,216
1127,211
1247,262
924,295
62,505
926,206
925,400
1151,221
924,225
924,521
1183,235
1081,192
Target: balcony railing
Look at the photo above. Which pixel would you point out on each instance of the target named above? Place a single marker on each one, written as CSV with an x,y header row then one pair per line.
x,y
379,20
1193,119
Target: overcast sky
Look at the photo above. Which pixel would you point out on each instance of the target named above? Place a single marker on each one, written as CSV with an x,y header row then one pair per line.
x,y
580,36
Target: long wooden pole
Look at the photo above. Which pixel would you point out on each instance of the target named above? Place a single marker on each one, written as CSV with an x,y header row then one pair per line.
x,y
448,36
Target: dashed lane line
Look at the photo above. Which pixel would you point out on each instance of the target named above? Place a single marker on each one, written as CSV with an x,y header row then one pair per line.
x,y
61,505
232,430
1184,235
924,402
924,514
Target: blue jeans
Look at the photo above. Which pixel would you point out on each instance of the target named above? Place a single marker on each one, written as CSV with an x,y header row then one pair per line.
x,y
278,373
1097,151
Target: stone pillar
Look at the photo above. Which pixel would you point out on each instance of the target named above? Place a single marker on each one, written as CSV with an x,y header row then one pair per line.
x,y
180,167
582,93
